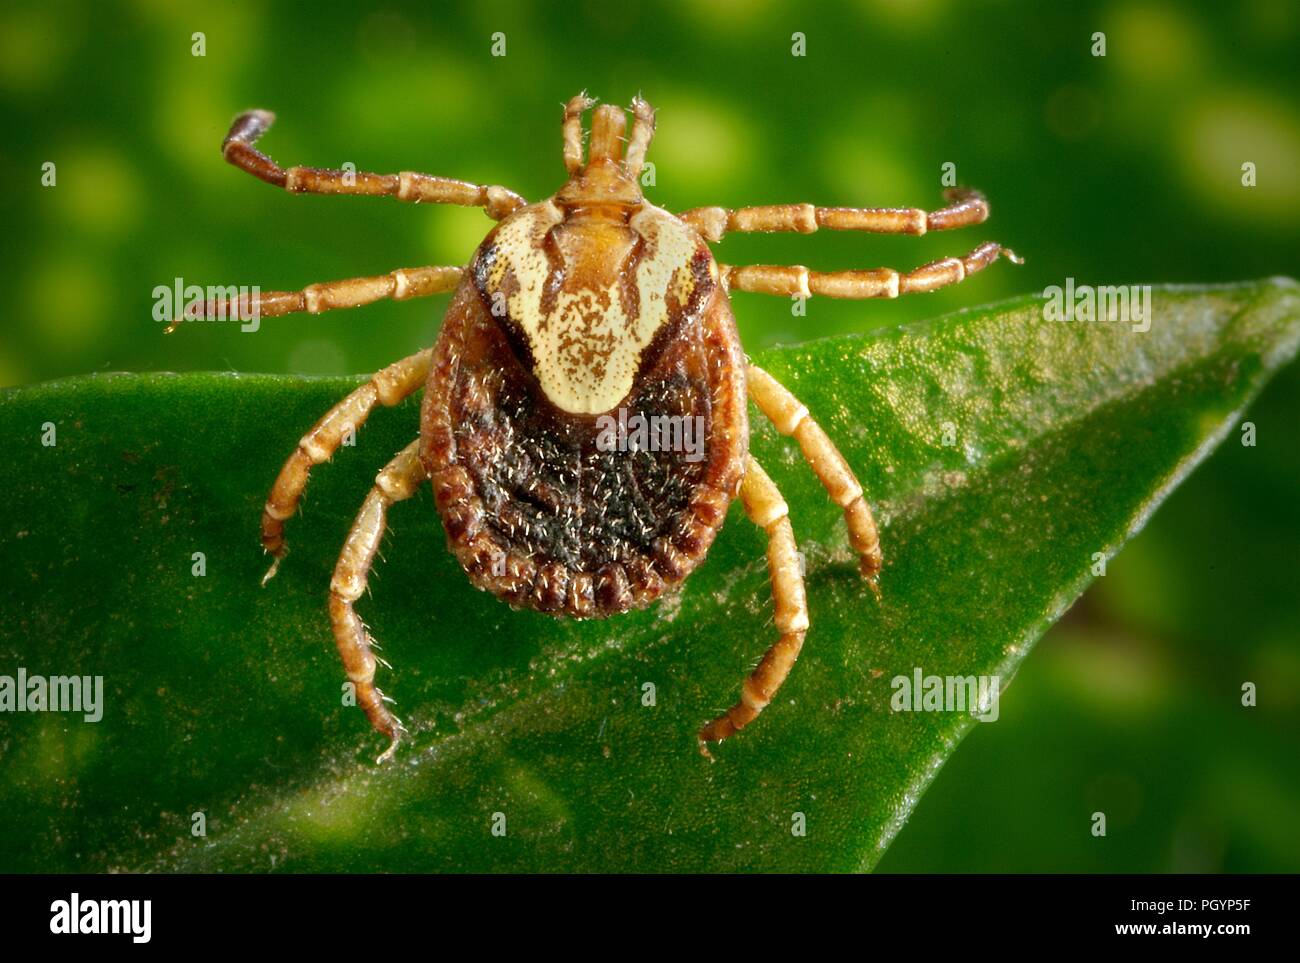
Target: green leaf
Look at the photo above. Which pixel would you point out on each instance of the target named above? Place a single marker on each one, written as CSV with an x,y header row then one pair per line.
x,y
224,698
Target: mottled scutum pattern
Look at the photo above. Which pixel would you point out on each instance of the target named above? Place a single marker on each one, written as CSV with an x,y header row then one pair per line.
x,y
583,298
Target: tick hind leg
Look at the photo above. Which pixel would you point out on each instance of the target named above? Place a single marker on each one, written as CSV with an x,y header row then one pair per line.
x,y
387,387
398,481
767,509
791,418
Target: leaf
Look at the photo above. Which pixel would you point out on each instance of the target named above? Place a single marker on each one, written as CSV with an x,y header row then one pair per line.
x,y
223,698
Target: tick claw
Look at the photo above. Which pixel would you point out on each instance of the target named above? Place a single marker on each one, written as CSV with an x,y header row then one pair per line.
x,y
399,730
270,572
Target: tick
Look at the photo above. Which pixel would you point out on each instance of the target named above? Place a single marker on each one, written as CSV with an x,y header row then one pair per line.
x,y
584,425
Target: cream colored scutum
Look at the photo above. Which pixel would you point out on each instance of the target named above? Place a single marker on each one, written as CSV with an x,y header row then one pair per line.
x,y
586,350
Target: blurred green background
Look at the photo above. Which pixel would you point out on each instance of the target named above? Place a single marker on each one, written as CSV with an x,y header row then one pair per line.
x,y
1117,169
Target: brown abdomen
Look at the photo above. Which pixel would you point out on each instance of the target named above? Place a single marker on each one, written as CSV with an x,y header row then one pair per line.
x,y
537,507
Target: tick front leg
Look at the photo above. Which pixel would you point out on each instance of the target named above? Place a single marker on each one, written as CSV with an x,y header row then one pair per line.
x,y
767,509
873,283
388,387
398,481
400,285
791,418
965,207
417,188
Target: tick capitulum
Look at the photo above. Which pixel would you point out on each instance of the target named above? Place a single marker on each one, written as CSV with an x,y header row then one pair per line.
x,y
590,303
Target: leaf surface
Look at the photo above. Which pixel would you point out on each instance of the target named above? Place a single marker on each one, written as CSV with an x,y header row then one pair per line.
x,y
1004,455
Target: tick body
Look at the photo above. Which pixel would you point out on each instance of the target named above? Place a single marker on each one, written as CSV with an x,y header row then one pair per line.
x,y
600,309
585,310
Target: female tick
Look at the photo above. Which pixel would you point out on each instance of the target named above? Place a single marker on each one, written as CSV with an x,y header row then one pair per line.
x,y
589,305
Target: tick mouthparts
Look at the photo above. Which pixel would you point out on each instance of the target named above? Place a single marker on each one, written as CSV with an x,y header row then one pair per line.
x,y
608,125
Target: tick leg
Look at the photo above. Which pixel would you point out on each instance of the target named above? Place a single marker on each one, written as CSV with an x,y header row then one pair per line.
x,y
874,283
791,418
965,207
398,481
767,509
417,188
400,285
387,387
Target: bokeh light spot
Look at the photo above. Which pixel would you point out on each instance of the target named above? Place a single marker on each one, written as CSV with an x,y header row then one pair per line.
x,y
97,190
865,172
905,14
452,234
1153,42
67,298
1218,136
33,48
703,149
